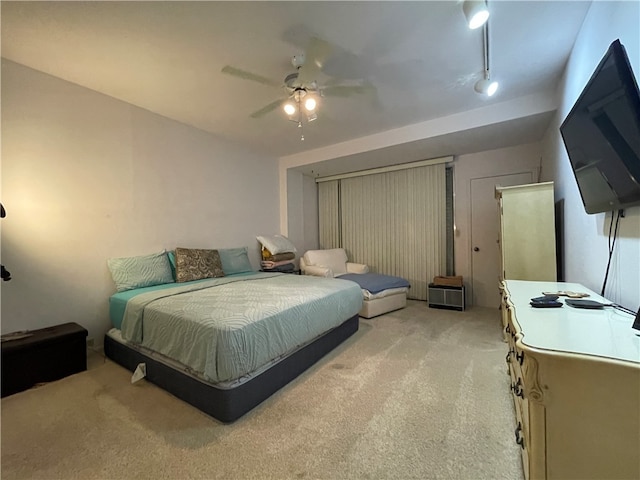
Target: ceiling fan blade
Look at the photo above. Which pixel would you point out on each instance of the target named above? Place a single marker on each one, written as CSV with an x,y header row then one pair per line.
x,y
316,55
236,72
268,108
367,89
298,35
346,90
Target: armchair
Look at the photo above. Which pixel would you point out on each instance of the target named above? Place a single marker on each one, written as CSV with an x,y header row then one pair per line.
x,y
329,263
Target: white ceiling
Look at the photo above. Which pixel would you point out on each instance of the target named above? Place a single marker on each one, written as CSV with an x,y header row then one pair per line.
x,y
167,57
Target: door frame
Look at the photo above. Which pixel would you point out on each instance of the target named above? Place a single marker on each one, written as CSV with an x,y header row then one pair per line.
x,y
472,254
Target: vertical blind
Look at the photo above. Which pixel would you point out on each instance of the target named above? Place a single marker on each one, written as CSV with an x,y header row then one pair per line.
x,y
329,214
395,222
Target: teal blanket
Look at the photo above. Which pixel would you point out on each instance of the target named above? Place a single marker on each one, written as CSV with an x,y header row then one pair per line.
x,y
225,328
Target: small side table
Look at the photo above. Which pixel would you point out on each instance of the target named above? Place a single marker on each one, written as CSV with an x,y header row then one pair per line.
x,y
42,355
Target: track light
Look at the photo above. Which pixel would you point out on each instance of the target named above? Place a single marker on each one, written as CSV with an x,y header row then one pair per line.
x,y
476,13
485,86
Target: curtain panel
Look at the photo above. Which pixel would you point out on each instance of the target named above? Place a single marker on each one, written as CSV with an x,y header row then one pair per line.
x,y
395,222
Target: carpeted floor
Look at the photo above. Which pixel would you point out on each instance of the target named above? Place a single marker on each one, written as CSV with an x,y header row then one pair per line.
x,y
419,393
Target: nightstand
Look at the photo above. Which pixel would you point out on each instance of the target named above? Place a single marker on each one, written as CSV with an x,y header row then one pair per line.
x,y
42,355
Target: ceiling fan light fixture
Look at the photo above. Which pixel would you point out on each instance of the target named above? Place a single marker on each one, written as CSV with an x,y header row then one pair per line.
x,y
310,104
289,108
476,12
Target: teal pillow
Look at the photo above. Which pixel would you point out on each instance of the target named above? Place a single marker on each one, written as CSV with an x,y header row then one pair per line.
x,y
142,271
172,261
235,260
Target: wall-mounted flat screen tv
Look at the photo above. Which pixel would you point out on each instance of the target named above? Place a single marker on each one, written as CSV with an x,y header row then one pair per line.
x,y
602,135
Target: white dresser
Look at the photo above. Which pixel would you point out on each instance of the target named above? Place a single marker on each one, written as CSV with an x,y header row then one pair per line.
x,y
575,380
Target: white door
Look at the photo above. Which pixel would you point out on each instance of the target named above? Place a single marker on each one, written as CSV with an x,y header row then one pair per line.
x,y
485,233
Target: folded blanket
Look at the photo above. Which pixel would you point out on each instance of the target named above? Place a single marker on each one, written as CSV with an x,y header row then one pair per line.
x,y
279,257
267,255
287,267
270,264
376,282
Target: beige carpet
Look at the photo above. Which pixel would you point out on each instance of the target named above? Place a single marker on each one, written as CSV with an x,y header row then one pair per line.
x,y
418,393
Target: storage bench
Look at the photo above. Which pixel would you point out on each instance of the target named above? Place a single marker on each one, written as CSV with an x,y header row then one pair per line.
x,y
42,355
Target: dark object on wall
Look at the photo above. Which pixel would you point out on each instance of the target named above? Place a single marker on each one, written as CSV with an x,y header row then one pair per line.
x,y
601,134
4,273
42,355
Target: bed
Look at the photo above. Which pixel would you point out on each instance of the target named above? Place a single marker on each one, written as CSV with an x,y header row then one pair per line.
x,y
381,293
226,344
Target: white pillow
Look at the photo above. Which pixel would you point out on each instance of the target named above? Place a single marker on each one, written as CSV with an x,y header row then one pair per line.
x,y
277,244
334,259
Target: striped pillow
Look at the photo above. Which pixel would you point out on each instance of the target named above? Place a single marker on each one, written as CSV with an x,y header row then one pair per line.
x,y
142,271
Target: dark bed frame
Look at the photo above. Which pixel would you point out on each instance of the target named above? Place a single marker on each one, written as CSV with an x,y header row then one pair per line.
x,y
227,405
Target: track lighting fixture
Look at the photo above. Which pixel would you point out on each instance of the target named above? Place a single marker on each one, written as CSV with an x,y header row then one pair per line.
x,y
476,13
486,86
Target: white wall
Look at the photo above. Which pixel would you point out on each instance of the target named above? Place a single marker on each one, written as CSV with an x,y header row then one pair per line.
x,y
295,205
377,145
491,163
586,236
310,214
86,177
302,209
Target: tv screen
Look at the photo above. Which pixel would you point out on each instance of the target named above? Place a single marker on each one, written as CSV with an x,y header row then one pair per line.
x,y
602,135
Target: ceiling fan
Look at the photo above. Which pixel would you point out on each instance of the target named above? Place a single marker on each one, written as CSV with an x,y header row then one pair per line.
x,y
302,91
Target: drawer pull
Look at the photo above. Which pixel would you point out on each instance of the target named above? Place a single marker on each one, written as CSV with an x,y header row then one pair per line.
x,y
507,329
508,357
519,437
517,388
520,357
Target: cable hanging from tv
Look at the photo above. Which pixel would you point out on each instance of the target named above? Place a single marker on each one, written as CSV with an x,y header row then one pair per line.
x,y
612,245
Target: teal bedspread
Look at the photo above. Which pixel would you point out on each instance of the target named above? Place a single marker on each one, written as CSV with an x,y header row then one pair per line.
x,y
225,328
